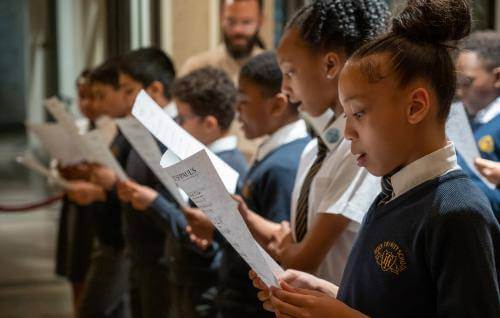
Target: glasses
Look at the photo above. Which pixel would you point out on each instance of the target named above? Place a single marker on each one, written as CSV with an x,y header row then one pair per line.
x,y
179,119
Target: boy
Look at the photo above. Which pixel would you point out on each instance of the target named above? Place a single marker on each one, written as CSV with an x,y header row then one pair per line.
x,y
263,111
106,286
205,104
478,88
152,70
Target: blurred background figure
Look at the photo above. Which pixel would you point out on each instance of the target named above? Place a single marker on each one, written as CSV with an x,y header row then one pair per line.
x,y
45,46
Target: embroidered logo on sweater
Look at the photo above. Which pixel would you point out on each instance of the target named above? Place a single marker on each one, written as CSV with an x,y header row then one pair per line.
x,y
390,257
486,144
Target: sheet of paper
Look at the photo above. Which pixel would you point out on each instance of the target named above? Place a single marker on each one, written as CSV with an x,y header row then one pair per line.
x,y
107,126
99,152
198,177
33,164
92,145
176,139
459,131
57,109
57,142
147,148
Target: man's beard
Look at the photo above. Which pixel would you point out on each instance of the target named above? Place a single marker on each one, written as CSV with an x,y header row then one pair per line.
x,y
238,51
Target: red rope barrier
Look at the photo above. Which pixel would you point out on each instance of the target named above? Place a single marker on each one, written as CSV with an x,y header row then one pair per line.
x,y
31,206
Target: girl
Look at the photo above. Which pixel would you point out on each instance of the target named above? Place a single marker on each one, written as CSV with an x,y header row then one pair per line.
x,y
331,194
427,247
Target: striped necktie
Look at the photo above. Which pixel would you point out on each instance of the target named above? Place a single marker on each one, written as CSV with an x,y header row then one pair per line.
x,y
303,202
387,190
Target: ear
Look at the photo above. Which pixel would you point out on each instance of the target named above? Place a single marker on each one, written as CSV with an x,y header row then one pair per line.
x,y
332,65
210,122
419,106
155,89
496,76
279,104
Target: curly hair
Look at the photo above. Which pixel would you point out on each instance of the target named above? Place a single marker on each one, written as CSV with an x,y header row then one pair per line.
x,y
209,92
486,44
346,24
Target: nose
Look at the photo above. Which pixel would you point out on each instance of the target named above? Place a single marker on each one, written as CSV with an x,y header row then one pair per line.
x,y
349,131
285,86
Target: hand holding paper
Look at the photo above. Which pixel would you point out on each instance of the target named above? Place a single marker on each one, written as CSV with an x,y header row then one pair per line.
x,y
198,177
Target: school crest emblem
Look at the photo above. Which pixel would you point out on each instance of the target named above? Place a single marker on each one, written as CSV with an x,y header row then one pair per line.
x,y
332,135
486,144
390,257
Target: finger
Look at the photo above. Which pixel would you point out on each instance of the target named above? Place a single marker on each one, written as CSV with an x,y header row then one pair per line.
x,y
290,295
263,295
268,305
285,308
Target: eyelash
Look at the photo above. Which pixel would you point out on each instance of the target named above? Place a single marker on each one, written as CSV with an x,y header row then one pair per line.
x,y
358,115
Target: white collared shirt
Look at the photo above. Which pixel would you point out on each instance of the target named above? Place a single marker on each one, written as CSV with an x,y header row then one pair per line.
x,y
431,166
340,187
171,109
282,136
488,113
227,143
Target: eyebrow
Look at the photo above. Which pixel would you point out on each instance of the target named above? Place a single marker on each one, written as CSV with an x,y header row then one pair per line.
x,y
355,96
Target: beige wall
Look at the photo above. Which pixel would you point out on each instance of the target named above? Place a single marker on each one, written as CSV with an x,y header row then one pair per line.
x,y
189,27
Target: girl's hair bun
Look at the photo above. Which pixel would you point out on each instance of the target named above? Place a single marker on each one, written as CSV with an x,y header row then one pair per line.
x,y
433,21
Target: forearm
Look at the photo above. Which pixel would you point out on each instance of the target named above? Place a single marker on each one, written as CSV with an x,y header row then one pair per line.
x,y
261,228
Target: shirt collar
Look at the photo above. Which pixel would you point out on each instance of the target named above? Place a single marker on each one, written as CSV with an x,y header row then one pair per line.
x,y
489,112
319,123
171,109
284,135
227,143
424,169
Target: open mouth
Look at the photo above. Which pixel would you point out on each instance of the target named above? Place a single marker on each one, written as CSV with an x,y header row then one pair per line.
x,y
361,160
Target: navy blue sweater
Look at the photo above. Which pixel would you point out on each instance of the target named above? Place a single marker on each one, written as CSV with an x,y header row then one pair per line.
x,y
108,220
488,139
267,190
188,264
145,239
432,252
493,195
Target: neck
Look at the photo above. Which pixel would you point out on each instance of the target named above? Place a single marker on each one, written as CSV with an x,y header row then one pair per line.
x,y
282,123
427,143
211,139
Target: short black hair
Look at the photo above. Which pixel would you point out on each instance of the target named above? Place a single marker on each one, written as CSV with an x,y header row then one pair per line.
x,y
264,71
486,44
210,92
107,73
84,77
147,65
419,45
341,24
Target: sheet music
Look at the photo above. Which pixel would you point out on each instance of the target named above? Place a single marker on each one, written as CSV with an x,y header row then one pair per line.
x,y
147,148
57,142
92,145
99,152
459,131
198,177
33,164
176,139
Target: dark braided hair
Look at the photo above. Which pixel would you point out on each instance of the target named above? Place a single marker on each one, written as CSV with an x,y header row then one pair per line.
x,y
419,46
345,24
